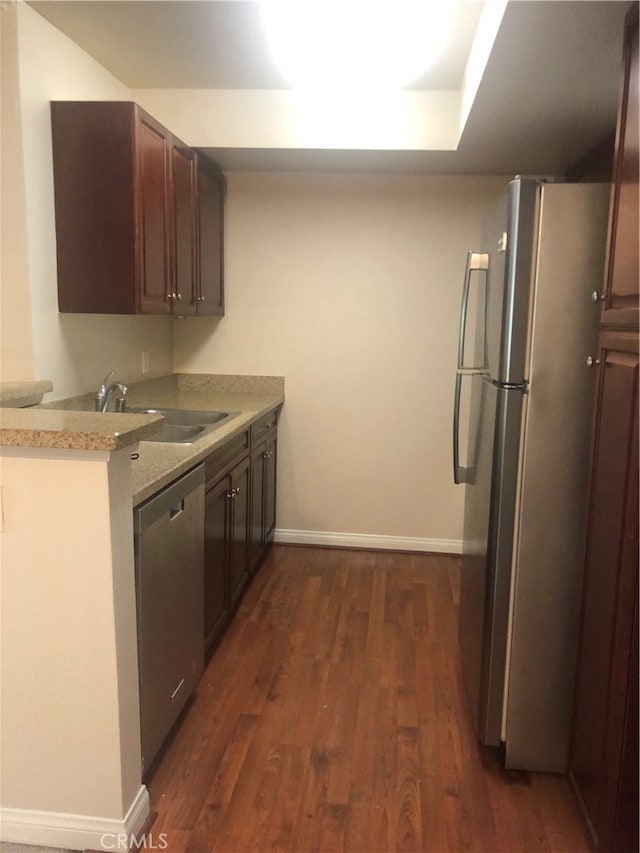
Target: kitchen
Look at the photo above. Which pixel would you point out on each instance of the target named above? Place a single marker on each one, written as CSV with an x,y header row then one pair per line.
x,y
286,295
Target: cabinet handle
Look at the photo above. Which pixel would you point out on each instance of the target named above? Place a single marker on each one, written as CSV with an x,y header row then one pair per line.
x,y
230,494
597,297
592,362
236,491
178,297
200,299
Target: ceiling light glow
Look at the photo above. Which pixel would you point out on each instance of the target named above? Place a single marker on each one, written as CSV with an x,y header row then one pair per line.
x,y
355,44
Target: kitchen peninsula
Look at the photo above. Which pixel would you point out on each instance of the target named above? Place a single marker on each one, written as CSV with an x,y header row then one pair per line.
x,y
69,484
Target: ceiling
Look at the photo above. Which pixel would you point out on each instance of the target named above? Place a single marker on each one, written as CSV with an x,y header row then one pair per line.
x,y
547,96
221,44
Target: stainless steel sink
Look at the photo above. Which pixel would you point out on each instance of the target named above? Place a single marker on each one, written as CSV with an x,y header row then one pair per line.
x,y
183,417
177,434
183,426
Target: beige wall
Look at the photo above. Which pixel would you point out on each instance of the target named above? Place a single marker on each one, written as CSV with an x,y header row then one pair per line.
x,y
349,286
16,356
74,351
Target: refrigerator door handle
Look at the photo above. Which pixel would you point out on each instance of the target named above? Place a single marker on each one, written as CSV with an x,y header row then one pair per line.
x,y
475,262
460,474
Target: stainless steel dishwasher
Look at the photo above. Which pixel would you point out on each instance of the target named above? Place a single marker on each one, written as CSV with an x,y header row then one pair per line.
x,y
169,560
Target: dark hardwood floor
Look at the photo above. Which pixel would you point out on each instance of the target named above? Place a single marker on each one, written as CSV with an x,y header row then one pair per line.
x,y
332,717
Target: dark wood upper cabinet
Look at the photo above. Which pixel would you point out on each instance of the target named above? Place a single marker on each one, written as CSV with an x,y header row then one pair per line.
x,y
138,229
151,215
184,270
210,240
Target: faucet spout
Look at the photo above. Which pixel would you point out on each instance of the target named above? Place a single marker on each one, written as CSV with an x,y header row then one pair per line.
x,y
104,394
121,399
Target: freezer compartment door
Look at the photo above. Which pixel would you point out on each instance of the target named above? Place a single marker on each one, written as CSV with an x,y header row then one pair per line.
x,y
487,552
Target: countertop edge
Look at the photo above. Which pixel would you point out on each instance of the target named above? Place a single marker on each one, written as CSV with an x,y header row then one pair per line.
x,y
72,430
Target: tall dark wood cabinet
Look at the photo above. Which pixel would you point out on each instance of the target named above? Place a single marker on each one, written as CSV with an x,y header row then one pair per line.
x,y
604,753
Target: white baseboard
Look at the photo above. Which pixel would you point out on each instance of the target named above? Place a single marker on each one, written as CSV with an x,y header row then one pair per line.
x,y
366,540
75,832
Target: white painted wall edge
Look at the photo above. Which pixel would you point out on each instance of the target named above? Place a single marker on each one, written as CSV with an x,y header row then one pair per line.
x,y
75,832
366,540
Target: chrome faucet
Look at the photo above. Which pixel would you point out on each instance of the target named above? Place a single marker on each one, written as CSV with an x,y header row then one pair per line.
x,y
104,393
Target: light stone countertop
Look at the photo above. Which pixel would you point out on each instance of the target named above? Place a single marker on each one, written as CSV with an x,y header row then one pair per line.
x,y
159,463
73,430
73,423
24,393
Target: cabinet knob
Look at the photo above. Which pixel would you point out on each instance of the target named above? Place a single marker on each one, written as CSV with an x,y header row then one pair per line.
x,y
592,362
230,495
200,299
597,297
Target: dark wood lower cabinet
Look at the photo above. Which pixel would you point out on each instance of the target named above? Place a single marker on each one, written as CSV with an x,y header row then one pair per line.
x,y
239,513
270,488
216,601
240,517
263,497
604,756
226,562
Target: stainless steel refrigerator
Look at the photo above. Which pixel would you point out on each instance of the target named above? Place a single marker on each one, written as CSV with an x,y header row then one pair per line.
x,y
521,444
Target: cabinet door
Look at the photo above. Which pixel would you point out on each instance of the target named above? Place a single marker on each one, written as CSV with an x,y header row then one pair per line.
x,y
183,181
256,531
621,293
93,166
153,214
239,556
610,588
269,522
216,555
210,297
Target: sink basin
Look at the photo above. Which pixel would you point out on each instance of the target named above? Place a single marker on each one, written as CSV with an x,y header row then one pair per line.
x,y
183,426
183,417
177,434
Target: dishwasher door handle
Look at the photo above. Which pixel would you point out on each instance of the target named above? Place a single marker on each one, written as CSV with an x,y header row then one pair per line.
x,y
176,510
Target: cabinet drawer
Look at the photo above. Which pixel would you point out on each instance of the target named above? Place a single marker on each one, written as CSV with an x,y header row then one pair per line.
x,y
262,426
218,462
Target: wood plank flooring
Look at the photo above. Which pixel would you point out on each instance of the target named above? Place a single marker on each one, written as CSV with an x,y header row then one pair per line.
x,y
332,718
